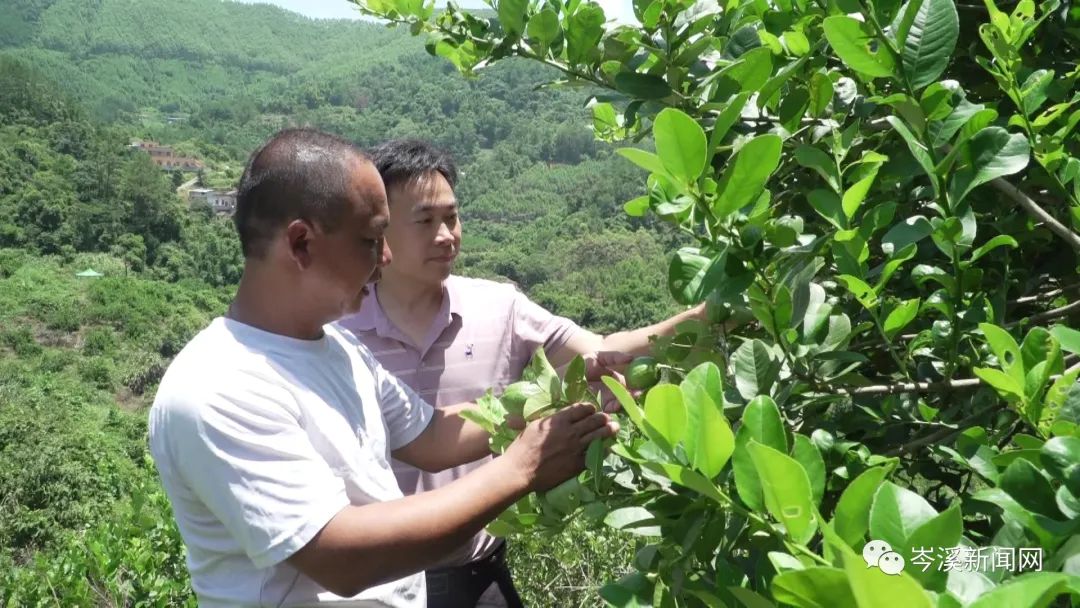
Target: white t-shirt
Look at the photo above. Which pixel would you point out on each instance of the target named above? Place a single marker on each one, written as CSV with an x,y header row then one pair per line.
x,y
260,439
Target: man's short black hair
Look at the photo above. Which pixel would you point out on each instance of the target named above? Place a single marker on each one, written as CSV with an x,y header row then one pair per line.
x,y
297,174
400,161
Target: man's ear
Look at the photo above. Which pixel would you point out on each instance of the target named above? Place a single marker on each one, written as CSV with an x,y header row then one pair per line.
x,y
298,236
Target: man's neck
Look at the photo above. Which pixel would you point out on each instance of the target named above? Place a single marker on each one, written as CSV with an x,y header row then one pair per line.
x,y
264,303
410,305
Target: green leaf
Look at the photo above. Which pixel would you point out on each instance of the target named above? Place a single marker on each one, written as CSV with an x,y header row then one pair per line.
x,y
691,276
1060,404
807,455
761,422
786,489
873,588
642,86
1028,487
860,290
900,316
584,30
646,160
942,131
943,530
512,15
634,590
851,40
630,519
544,27
1006,350
666,412
896,513
821,94
637,207
1032,590
746,75
896,260
539,370
852,516
709,439
1035,90
629,405
930,41
755,369
574,384
1068,337
687,478
724,121
564,498
745,175
1001,240
1061,457
856,194
1001,382
813,587
680,144
993,152
817,159
910,231
918,150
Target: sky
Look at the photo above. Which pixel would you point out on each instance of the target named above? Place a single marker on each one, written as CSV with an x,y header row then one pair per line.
x,y
342,9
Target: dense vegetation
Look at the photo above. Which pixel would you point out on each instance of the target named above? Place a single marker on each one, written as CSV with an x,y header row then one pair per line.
x,y
82,519
892,193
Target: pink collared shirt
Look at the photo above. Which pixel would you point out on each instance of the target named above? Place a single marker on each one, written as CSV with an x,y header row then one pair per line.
x,y
482,337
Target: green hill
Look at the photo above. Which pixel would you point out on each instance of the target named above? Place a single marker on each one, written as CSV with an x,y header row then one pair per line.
x,y
83,521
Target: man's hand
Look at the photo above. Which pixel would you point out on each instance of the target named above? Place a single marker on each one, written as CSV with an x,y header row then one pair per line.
x,y
551,450
607,363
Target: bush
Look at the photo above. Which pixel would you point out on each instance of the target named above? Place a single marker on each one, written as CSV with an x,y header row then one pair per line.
x,y
100,372
134,558
99,341
21,340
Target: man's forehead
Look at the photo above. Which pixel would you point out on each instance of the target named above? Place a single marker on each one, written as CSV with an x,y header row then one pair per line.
x,y
424,192
424,206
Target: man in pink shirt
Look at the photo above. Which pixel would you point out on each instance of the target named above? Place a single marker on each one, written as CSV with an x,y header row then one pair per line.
x,y
450,338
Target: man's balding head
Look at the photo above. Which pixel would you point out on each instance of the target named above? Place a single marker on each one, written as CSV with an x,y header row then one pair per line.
x,y
297,174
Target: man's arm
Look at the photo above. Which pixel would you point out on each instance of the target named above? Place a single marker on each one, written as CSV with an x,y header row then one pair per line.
x,y
363,546
632,342
448,441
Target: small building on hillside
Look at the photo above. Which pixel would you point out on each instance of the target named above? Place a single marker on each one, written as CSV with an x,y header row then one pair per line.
x,y
222,202
166,158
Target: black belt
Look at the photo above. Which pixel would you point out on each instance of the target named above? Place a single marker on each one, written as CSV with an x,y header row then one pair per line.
x,y
462,586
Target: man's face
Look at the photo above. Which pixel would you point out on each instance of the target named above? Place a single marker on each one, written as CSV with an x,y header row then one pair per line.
x,y
345,259
424,232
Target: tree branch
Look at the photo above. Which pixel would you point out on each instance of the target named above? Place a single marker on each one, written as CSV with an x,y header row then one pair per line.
x,y
1048,315
1038,212
909,387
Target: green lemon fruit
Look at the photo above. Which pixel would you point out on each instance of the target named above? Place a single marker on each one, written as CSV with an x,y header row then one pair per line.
x,y
642,373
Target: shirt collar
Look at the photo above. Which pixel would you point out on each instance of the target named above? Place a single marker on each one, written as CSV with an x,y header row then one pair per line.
x,y
372,317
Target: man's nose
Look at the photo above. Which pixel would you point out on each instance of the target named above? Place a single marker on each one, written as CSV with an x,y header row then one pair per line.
x,y
385,256
444,234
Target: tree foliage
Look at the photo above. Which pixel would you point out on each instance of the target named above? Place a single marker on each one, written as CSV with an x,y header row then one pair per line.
x,y
890,192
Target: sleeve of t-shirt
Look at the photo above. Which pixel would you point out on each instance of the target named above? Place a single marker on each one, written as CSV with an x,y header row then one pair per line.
x,y
406,413
247,458
535,326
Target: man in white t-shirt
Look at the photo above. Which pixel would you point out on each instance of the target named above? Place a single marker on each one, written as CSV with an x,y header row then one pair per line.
x,y
272,430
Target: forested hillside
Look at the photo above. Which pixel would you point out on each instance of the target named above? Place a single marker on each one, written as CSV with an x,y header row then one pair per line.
x,y
82,521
